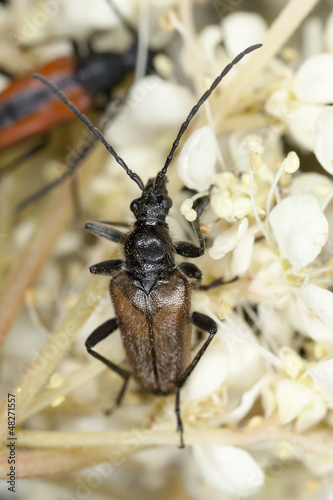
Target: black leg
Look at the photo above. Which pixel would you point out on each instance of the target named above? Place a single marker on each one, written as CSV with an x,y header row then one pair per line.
x,y
206,324
191,271
106,231
108,267
200,204
116,223
189,250
216,283
95,338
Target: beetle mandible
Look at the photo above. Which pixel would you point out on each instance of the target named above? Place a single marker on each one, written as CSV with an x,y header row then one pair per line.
x,y
151,294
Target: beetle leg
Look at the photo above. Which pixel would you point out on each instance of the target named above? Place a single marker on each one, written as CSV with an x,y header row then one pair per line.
x,y
108,267
200,204
116,223
191,271
106,231
101,332
216,283
206,324
189,250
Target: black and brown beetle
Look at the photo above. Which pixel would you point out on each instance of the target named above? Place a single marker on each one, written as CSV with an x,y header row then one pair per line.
x,y
151,294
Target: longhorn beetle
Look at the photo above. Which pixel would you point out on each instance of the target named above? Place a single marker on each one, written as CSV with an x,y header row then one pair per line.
x,y
150,293
28,110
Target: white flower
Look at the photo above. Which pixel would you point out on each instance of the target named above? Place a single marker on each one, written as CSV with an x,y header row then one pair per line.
x,y
242,254
302,124
210,373
313,80
247,400
196,162
228,240
229,469
317,185
322,374
300,229
315,306
242,29
323,147
209,39
296,401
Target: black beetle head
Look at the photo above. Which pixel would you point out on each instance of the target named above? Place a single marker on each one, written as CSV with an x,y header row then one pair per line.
x,y
154,203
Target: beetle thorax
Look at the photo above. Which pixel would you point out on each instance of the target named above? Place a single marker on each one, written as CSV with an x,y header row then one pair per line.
x,y
149,249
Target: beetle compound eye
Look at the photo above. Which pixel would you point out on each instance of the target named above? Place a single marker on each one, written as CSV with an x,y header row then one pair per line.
x,y
167,203
134,206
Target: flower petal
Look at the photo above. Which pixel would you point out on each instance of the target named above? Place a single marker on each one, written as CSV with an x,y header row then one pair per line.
x,y
229,469
316,310
247,401
297,401
300,229
322,374
313,80
317,185
227,240
210,38
323,146
242,29
196,162
241,257
302,125
210,373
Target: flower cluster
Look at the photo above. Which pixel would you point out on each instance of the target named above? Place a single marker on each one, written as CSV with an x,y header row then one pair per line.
x,y
269,225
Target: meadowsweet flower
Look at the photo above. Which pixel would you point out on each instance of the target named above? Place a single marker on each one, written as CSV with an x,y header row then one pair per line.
x,y
229,470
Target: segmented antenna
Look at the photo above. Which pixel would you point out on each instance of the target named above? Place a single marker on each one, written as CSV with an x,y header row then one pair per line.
x,y
90,126
195,109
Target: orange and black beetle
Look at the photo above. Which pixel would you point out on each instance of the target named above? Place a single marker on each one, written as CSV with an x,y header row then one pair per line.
x,y
28,108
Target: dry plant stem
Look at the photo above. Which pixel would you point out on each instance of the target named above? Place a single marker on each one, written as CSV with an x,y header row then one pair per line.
x,y
59,462
145,437
72,382
58,213
192,47
280,31
84,449
40,370
55,218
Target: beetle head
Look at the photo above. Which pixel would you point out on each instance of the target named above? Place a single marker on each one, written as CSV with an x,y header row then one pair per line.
x,y
154,203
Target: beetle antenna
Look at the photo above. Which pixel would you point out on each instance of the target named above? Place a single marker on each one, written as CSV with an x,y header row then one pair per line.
x,y
196,108
90,126
123,19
